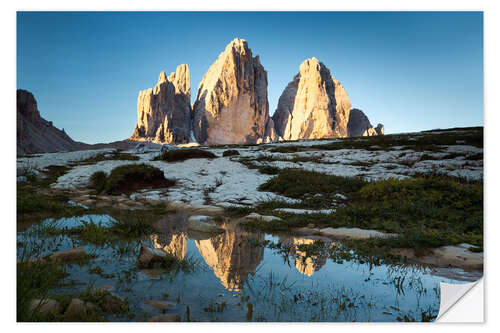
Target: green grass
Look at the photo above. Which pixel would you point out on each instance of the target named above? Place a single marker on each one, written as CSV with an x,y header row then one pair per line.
x,y
427,142
302,184
34,280
129,178
294,159
180,155
34,201
128,227
31,205
426,211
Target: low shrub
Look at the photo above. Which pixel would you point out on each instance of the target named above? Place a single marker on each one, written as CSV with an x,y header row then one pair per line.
x,y
129,178
230,152
98,181
180,155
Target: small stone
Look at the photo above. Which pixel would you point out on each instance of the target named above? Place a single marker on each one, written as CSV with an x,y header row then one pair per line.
x,y
77,309
341,196
105,287
111,304
168,317
161,305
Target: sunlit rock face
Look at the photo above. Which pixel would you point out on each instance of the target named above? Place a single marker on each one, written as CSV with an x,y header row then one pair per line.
x,y
232,106
313,106
37,135
175,244
232,256
359,125
164,112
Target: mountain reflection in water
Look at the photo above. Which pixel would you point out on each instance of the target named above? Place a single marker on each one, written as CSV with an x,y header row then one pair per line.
x,y
234,254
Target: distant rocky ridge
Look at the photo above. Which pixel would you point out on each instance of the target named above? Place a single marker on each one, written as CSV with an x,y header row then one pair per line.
x,y
37,135
359,125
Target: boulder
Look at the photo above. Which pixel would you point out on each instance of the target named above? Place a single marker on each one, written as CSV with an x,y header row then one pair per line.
x,y
148,256
313,106
203,223
232,106
264,218
79,310
164,113
46,306
69,255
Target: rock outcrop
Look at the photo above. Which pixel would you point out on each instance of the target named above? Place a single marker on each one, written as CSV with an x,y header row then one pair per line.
x,y
313,106
359,125
164,113
37,135
232,106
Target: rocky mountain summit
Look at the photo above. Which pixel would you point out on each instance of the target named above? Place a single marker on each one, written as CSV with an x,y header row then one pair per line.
x,y
313,106
232,106
37,135
164,113
359,125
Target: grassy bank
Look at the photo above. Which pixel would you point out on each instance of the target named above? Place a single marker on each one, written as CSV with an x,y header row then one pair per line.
x,y
426,211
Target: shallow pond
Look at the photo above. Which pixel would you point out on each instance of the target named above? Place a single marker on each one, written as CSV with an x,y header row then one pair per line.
x,y
244,276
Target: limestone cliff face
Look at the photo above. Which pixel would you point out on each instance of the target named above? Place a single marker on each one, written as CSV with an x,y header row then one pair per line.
x,y
173,243
164,113
314,105
37,135
232,106
359,125
233,256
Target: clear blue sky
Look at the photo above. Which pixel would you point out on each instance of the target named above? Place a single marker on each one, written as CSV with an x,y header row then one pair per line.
x,y
410,71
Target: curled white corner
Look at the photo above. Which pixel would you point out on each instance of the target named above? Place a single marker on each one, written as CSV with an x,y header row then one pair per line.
x,y
451,294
